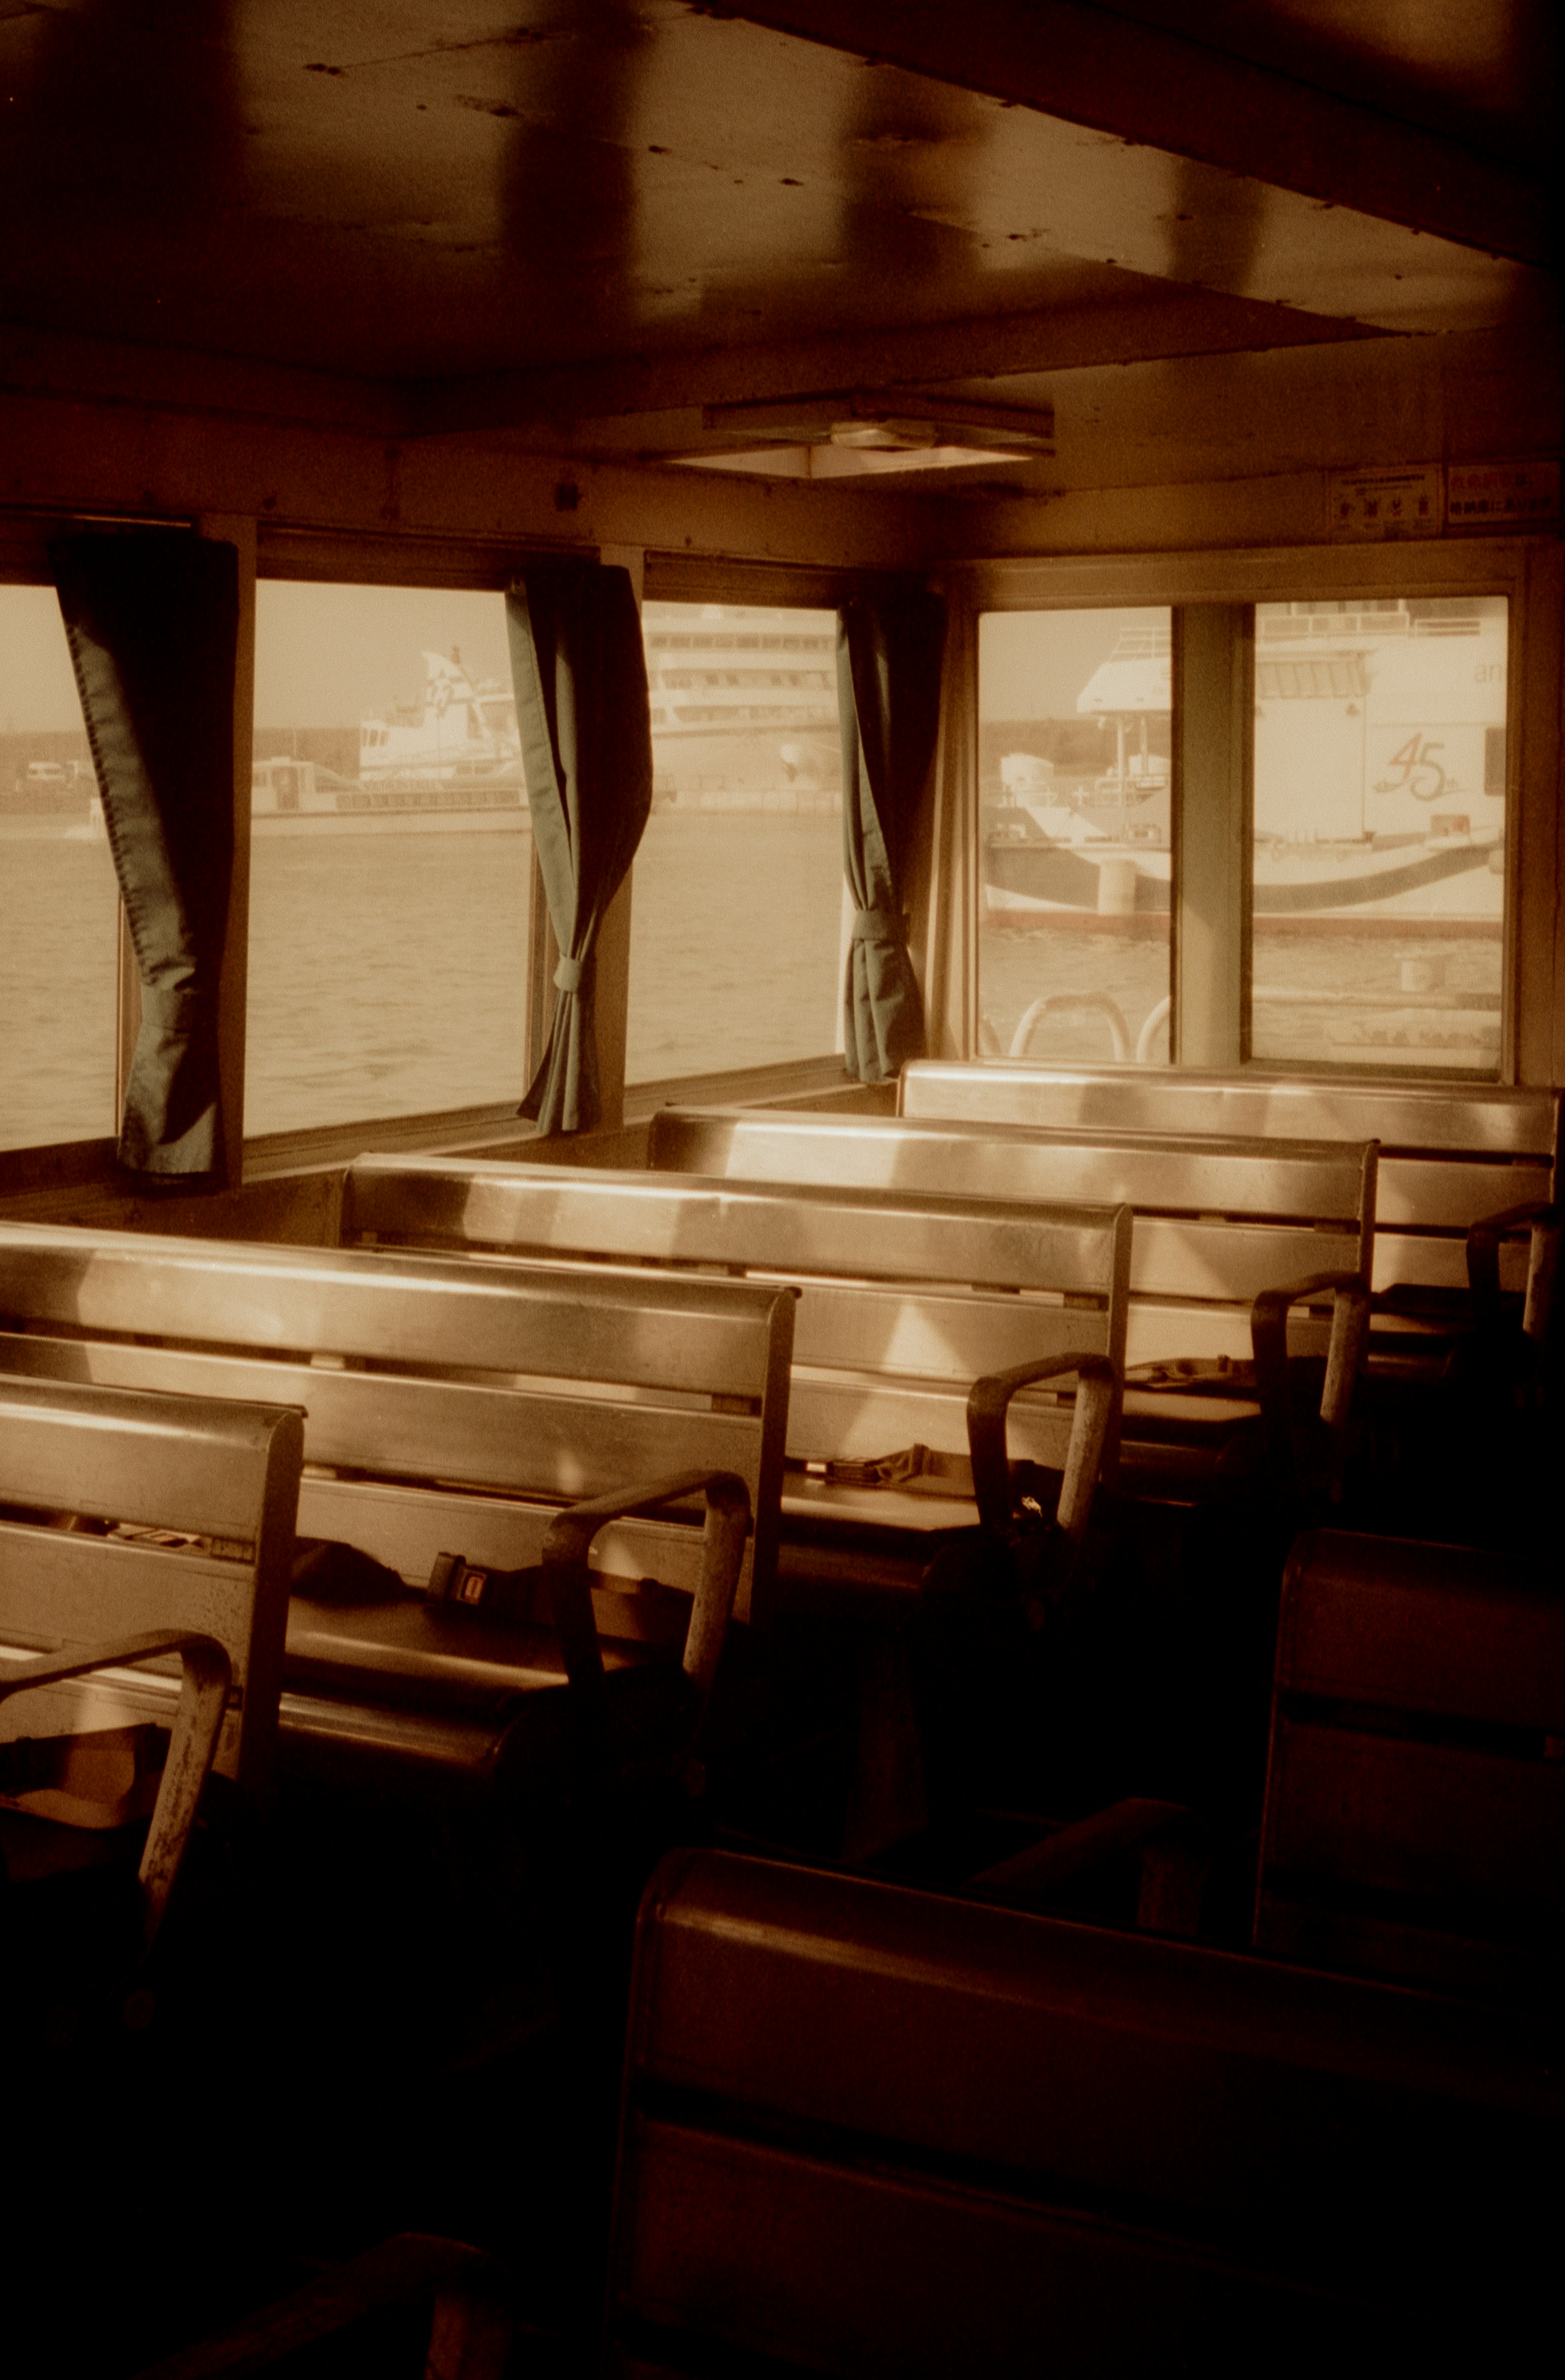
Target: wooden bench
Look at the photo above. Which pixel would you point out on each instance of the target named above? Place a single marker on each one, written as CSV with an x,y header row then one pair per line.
x,y
1230,1238
457,1408
919,1320
873,2132
142,1650
1468,1180
1414,1818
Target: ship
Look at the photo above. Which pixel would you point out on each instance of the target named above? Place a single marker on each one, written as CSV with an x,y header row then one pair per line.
x,y
1380,775
743,709
449,762
742,704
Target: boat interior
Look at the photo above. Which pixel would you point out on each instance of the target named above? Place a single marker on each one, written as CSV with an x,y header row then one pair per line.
x,y
822,1629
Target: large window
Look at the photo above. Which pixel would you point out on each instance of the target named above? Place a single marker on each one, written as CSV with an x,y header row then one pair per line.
x,y
391,858
59,903
736,914
1378,871
1075,829
1273,831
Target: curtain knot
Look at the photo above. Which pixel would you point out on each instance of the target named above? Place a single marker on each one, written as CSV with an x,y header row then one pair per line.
x,y
876,926
567,976
174,1008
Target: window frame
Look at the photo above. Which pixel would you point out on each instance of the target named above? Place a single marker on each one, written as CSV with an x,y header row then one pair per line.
x,y
1525,570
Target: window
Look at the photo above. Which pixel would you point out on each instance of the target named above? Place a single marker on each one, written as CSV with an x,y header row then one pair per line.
x,y
59,901
391,858
1076,824
736,913
1377,869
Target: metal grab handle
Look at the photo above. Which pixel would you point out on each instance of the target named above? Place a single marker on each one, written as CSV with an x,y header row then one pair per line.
x,y
569,1541
989,1402
203,1698
1542,1218
1269,1337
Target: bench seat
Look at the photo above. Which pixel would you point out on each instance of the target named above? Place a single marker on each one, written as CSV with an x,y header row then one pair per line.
x,y
1450,1157
905,1301
1225,1233
451,1408
869,2130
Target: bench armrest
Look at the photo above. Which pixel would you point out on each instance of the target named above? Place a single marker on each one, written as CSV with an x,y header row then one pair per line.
x,y
471,2326
203,1698
988,1403
569,1541
1269,1337
1541,1220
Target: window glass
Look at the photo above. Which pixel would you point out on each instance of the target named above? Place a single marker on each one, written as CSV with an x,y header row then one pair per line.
x,y
1074,778
59,903
391,858
1380,833
737,916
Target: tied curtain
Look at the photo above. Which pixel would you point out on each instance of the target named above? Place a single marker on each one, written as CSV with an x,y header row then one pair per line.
x,y
152,622
888,646
581,675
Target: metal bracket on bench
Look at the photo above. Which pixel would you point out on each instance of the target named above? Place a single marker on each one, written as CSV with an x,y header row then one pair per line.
x,y
569,1541
1542,1220
988,1404
203,1698
1268,1336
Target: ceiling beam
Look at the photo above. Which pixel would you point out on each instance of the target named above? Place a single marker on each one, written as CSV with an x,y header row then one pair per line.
x,y
1177,321
176,380
1088,66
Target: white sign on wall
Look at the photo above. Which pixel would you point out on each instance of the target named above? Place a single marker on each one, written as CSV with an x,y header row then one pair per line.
x,y
1392,504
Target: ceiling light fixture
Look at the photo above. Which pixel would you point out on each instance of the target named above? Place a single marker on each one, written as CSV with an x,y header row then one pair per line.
x,y
886,421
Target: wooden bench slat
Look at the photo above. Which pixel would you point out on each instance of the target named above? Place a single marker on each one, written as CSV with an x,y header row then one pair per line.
x,y
1174,1258
407,1310
935,1336
1450,1194
1464,1117
518,1440
1284,1179
678,1219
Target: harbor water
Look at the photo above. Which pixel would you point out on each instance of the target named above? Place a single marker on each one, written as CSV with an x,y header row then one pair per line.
x,y
386,973
387,969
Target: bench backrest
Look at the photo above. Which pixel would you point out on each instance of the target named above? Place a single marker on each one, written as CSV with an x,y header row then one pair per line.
x,y
1448,1156
874,2131
1414,1817
1215,1221
225,1475
905,1300
426,1377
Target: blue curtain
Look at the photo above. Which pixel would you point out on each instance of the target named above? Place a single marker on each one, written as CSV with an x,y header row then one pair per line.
x,y
153,621
889,640
581,675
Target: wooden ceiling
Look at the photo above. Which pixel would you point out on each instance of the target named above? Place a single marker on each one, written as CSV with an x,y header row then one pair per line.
x,y
580,223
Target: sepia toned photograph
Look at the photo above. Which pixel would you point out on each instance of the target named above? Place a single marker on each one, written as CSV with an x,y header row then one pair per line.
x,y
781,1037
